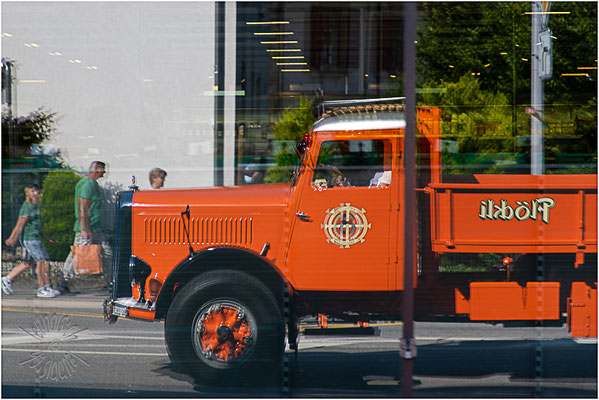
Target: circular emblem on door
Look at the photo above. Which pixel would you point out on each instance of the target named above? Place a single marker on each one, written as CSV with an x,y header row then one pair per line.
x,y
345,225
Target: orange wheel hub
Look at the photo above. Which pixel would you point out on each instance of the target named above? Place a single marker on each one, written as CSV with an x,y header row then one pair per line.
x,y
224,332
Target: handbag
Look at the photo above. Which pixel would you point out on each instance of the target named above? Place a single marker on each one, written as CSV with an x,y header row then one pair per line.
x,y
87,260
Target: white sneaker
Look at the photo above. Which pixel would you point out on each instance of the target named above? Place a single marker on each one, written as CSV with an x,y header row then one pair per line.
x,y
42,292
53,291
6,286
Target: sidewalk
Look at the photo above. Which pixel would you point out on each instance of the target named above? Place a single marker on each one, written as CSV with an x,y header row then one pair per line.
x,y
24,297
88,292
26,283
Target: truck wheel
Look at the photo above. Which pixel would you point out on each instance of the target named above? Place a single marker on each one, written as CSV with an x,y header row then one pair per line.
x,y
225,327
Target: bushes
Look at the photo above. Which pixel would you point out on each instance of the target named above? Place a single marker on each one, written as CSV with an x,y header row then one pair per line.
x,y
58,212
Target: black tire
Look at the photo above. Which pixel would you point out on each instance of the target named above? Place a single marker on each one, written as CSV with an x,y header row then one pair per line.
x,y
253,346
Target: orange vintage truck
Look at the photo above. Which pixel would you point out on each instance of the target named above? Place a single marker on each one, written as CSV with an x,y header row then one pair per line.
x,y
231,269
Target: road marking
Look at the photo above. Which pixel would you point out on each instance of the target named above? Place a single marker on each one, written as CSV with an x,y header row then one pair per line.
x,y
73,314
75,344
110,353
484,339
22,339
332,341
89,333
586,340
327,342
341,326
14,309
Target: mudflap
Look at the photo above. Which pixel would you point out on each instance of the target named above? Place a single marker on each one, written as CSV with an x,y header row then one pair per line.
x,y
582,310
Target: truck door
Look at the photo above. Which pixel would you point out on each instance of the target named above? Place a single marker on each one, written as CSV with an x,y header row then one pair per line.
x,y
340,239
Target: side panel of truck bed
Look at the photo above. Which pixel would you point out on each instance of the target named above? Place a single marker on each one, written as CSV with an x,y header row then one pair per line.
x,y
515,214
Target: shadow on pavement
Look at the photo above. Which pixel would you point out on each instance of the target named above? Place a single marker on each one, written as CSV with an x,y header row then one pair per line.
x,y
442,370
565,364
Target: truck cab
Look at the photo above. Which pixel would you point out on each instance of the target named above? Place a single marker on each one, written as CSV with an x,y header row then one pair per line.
x,y
231,269
346,205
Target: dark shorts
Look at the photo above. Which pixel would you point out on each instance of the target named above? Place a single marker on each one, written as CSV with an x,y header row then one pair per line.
x,y
35,251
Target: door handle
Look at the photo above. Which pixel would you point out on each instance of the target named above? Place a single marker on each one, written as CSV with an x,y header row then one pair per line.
x,y
303,216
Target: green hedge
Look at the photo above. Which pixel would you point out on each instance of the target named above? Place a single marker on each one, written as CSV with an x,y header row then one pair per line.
x,y
58,213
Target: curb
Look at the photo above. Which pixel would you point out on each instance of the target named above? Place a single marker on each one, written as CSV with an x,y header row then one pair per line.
x,y
56,302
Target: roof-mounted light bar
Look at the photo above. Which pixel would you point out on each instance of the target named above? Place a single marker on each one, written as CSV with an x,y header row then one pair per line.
x,y
336,107
366,108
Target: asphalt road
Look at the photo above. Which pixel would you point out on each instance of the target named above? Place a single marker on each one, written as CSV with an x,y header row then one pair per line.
x,y
62,348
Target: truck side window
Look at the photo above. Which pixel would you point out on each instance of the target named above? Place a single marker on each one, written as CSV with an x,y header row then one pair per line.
x,y
353,163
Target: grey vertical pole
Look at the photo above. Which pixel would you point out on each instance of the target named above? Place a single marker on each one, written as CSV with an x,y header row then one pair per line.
x,y
219,100
408,345
229,88
537,160
362,60
8,73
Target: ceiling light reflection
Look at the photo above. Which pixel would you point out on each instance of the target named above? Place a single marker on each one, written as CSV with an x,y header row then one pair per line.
x,y
272,33
547,12
268,23
280,42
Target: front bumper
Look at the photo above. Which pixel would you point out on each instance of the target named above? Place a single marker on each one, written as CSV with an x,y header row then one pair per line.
x,y
127,307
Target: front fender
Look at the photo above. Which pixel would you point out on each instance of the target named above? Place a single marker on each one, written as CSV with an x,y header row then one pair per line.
x,y
230,258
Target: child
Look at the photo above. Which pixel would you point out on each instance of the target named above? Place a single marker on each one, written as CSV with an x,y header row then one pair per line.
x,y
157,177
28,228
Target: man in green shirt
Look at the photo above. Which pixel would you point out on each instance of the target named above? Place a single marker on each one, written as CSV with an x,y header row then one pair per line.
x,y
28,230
88,221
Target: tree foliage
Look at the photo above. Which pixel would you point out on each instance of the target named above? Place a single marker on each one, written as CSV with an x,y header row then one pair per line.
x,y
478,56
20,133
575,46
472,115
488,39
295,121
492,40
